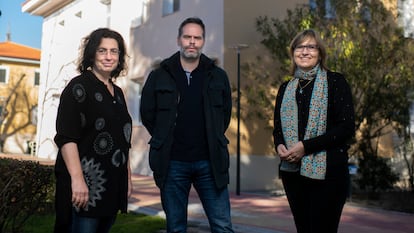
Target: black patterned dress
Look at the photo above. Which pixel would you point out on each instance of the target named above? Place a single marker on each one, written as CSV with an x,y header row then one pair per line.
x,y
101,126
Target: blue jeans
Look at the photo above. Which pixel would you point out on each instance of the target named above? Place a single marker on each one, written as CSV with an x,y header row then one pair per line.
x,y
174,196
91,225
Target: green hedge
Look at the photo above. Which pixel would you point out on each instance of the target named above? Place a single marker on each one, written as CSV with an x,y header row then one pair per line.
x,y
26,188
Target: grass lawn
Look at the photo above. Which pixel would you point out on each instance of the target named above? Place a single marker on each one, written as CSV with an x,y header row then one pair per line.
x,y
125,223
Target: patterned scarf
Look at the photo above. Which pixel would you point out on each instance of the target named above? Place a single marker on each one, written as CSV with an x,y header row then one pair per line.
x,y
313,165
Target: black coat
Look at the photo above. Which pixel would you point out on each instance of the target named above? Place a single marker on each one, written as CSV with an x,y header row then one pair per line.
x,y
159,102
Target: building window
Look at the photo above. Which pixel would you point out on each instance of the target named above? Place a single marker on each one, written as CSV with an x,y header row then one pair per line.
x,y
170,6
79,14
406,16
37,78
4,74
33,119
2,108
328,6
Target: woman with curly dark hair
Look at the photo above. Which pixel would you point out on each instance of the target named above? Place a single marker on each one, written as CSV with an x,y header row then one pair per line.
x,y
93,136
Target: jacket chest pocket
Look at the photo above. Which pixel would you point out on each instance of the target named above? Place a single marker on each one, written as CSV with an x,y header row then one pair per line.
x,y
216,91
165,97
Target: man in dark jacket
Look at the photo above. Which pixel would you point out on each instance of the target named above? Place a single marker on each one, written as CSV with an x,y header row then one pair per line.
x,y
186,107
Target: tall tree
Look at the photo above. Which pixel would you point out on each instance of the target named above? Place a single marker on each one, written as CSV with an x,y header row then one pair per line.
x,y
367,46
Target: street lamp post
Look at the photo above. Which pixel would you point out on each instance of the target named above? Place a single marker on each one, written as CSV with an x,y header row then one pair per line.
x,y
238,47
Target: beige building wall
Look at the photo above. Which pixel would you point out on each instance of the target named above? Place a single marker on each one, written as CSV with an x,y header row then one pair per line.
x,y
27,93
258,163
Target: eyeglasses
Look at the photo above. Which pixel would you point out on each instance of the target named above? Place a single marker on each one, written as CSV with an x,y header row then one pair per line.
x,y
309,47
103,52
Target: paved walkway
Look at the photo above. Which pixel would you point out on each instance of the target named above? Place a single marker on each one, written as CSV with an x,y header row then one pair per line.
x,y
255,213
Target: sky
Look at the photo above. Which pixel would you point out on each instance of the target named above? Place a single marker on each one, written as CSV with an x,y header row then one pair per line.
x,y
25,29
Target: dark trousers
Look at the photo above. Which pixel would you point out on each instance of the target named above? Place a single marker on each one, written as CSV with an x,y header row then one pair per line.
x,y
316,205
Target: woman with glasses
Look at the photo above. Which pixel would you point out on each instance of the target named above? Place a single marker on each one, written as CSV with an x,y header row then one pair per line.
x,y
93,136
313,124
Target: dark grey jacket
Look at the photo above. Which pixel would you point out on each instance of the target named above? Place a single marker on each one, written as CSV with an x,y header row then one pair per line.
x,y
159,101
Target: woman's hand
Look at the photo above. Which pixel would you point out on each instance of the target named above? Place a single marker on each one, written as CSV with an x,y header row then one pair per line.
x,y
294,154
80,192
282,151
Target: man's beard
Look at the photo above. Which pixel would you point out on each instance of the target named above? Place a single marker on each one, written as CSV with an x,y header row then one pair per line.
x,y
190,55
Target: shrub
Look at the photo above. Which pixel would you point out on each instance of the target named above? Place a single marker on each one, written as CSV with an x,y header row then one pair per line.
x,y
25,189
375,175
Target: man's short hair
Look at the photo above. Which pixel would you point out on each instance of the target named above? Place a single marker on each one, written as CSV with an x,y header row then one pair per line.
x,y
195,20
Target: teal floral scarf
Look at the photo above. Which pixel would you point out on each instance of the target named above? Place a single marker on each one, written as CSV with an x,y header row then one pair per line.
x,y
313,165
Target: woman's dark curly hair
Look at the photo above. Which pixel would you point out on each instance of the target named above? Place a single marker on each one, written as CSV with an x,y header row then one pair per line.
x,y
90,45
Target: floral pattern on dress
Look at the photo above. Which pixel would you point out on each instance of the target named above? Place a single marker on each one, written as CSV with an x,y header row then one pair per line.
x,y
127,131
118,158
78,92
103,143
94,179
99,123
